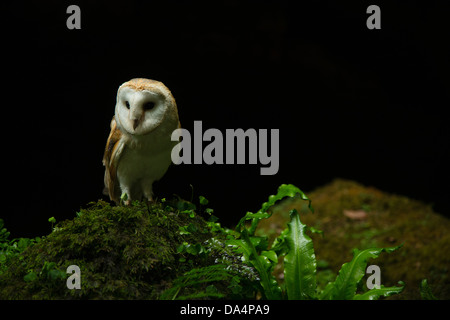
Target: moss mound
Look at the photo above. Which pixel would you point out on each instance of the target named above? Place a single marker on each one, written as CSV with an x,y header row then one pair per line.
x,y
354,216
122,252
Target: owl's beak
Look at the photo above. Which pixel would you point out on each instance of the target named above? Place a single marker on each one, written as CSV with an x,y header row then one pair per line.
x,y
136,123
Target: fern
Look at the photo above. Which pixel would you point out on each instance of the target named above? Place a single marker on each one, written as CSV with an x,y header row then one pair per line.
x,y
299,258
198,283
351,273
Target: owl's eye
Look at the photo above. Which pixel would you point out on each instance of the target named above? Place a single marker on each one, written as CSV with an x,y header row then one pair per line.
x,y
149,106
127,104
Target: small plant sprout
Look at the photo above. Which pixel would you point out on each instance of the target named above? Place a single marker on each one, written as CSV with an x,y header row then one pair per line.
x,y
52,220
203,200
123,198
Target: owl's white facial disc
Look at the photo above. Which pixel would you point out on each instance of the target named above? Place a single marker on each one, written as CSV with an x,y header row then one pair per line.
x,y
140,111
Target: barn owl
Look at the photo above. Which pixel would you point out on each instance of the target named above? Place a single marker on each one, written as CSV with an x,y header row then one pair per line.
x,y
138,149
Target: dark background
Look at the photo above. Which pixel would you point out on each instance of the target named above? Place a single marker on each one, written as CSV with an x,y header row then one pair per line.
x,y
368,105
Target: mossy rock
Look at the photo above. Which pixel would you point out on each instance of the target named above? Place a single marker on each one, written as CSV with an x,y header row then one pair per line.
x,y
355,216
123,252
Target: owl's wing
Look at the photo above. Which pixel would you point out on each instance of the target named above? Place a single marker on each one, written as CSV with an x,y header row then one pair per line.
x,y
113,150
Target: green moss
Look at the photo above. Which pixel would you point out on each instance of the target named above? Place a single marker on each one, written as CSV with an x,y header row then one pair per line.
x,y
122,252
389,220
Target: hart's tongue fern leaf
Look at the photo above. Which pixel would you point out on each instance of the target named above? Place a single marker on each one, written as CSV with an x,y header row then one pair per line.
x,y
299,258
351,273
299,262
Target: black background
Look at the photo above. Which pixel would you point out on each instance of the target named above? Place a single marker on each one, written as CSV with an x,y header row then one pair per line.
x,y
368,105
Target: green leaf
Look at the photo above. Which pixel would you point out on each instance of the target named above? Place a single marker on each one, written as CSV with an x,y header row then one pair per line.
x,y
374,294
190,248
262,263
56,274
183,230
47,267
211,290
255,217
425,291
4,234
31,276
203,200
285,190
260,243
279,244
344,287
271,256
299,262
241,248
181,248
315,230
52,220
191,227
23,243
182,205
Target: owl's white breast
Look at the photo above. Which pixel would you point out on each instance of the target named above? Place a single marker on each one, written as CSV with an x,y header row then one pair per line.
x,y
144,158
